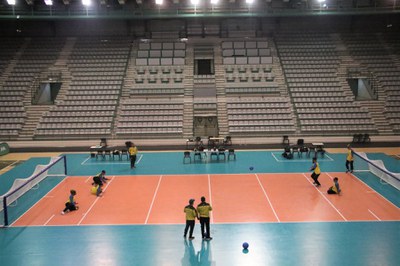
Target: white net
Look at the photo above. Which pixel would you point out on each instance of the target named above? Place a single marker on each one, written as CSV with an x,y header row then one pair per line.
x,y
56,166
377,167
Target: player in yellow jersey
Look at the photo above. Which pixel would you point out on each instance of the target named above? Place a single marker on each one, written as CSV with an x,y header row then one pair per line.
x,y
203,209
191,215
316,172
133,150
71,204
335,189
349,160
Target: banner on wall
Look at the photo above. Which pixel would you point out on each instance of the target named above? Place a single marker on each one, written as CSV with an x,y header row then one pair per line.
x,y
4,148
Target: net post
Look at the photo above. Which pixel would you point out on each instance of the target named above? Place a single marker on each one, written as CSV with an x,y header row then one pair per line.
x,y
65,164
5,211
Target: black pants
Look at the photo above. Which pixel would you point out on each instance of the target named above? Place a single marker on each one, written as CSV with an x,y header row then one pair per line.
x,y
315,176
189,225
351,164
331,191
205,224
133,160
69,206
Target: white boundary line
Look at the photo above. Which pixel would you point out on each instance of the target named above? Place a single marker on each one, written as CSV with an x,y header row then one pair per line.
x,y
273,155
82,163
300,160
210,200
374,215
104,162
91,206
87,179
372,189
266,195
49,219
219,223
140,158
152,201
38,201
330,203
329,176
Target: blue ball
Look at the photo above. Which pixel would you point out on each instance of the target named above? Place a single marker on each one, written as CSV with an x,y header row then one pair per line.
x,y
245,245
251,168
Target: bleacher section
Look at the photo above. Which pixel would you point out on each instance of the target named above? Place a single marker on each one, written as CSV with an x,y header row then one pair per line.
x,y
36,56
310,65
98,68
119,88
371,52
259,115
151,117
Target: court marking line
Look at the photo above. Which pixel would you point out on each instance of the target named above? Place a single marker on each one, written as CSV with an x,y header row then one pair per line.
x,y
209,193
95,201
374,215
301,160
36,202
86,160
330,203
87,179
330,176
213,229
140,158
49,219
152,201
372,189
105,162
266,195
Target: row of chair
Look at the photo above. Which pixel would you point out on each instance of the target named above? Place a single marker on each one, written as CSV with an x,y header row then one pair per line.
x,y
217,154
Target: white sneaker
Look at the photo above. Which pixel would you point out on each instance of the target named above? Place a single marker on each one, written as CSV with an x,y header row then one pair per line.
x,y
62,213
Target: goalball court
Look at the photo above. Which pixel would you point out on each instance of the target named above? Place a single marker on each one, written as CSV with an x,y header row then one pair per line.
x,y
140,218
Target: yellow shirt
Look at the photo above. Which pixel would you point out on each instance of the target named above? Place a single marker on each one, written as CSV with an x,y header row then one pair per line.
x,y
133,150
191,213
204,209
94,189
349,155
317,170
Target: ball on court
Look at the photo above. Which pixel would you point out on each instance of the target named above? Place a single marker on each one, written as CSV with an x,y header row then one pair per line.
x,y
251,168
245,245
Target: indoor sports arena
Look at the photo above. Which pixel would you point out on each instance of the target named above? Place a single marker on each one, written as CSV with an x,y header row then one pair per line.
x,y
199,132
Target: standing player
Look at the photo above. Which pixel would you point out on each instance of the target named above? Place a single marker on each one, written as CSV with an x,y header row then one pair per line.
x,y
191,215
133,150
203,210
70,205
349,160
316,172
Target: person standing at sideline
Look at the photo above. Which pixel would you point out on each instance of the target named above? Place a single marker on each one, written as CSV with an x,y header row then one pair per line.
x,y
316,172
203,210
191,215
349,160
70,205
132,154
335,189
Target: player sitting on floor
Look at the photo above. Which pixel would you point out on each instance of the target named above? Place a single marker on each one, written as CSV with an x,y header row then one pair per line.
x,y
70,205
335,189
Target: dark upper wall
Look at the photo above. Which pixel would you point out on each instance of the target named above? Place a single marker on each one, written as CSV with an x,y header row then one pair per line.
x,y
224,27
